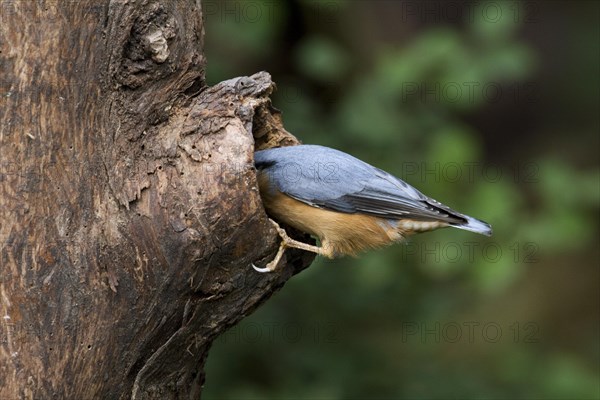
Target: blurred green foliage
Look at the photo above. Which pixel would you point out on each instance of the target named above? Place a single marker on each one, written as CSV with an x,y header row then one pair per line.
x,y
467,111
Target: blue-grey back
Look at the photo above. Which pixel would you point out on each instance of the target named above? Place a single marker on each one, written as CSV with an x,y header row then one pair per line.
x,y
328,178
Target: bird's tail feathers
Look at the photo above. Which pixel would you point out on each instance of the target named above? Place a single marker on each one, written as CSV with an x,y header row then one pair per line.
x,y
475,225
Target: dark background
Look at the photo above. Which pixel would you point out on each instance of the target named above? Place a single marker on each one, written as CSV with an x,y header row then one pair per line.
x,y
492,109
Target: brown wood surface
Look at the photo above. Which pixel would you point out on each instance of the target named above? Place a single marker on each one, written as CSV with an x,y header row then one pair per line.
x,y
129,209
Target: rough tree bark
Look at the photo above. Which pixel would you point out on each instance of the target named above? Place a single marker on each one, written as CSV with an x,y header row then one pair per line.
x,y
128,200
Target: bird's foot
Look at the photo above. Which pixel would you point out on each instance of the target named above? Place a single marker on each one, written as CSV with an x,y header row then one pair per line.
x,y
270,267
287,241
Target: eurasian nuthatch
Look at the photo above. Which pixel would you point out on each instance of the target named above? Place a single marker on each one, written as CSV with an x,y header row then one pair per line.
x,y
348,204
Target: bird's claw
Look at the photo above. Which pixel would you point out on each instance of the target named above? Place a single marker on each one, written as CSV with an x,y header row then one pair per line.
x,y
270,267
266,268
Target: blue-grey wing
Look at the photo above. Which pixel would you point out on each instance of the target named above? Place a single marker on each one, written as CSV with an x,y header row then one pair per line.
x,y
330,179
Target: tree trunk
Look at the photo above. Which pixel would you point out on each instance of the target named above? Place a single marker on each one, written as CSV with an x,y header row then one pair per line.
x,y
129,207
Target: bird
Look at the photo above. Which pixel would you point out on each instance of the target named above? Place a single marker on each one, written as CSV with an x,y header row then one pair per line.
x,y
348,204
